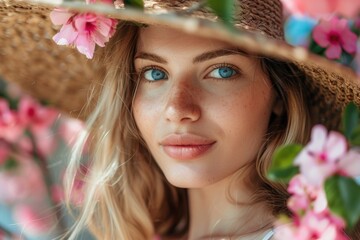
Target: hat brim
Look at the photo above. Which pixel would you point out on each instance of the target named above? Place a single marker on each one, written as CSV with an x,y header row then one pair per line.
x,y
62,76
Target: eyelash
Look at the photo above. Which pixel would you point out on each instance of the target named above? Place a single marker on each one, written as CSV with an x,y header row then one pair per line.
x,y
238,72
142,71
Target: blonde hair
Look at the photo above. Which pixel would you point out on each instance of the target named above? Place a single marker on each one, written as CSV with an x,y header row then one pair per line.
x,y
127,196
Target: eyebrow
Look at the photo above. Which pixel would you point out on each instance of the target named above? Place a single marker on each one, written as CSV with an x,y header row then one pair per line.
x,y
151,57
219,53
201,58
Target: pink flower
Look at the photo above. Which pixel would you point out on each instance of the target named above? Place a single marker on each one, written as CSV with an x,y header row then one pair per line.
x,y
323,8
10,127
34,115
319,159
82,30
32,222
303,194
335,35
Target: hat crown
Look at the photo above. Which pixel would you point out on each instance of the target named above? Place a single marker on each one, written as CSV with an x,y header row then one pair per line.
x,y
261,16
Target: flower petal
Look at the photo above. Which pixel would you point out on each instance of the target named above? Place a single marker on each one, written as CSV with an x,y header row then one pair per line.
x,y
350,164
318,139
335,146
99,39
66,35
104,26
60,16
349,41
320,35
85,45
333,52
316,174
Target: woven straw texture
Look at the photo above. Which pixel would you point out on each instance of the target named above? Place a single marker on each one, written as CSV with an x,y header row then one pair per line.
x,y
62,76
29,57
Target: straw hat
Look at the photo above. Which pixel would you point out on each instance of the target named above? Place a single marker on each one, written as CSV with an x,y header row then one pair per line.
x,y
62,76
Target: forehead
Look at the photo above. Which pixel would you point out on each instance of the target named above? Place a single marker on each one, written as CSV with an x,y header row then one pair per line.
x,y
160,38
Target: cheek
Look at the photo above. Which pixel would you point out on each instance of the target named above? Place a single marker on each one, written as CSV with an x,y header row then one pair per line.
x,y
140,114
246,117
145,112
247,108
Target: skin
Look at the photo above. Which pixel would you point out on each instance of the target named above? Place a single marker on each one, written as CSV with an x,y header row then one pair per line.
x,y
193,98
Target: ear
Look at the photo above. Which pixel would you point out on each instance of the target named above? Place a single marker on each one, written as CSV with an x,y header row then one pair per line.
x,y
278,107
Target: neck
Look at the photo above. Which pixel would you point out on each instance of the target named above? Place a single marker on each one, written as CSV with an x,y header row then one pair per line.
x,y
215,215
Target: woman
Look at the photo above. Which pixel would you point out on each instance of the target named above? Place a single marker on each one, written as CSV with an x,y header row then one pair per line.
x,y
184,126
197,114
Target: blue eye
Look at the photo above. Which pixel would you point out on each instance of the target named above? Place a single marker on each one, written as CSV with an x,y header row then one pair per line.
x,y
154,74
223,72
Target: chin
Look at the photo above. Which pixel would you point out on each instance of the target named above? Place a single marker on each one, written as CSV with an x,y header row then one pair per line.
x,y
187,180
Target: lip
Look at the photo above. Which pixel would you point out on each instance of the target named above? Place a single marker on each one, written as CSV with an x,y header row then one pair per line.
x,y
186,146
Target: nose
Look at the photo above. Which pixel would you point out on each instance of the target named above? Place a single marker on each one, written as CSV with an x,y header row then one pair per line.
x,y
182,103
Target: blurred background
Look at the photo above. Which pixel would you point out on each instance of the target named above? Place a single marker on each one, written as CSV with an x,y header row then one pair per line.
x,y
35,142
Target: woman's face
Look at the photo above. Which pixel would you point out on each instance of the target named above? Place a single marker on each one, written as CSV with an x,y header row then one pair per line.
x,y
202,106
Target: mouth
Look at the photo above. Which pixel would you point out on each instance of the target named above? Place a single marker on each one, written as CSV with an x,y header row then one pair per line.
x,y
186,146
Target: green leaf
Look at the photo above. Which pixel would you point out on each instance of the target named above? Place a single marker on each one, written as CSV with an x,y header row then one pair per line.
x,y
315,48
355,137
13,103
134,3
343,195
283,174
282,168
350,119
284,155
223,9
10,164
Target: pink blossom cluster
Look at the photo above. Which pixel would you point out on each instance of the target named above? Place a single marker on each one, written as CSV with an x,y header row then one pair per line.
x,y
323,8
29,116
24,133
27,139
311,217
326,155
83,30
